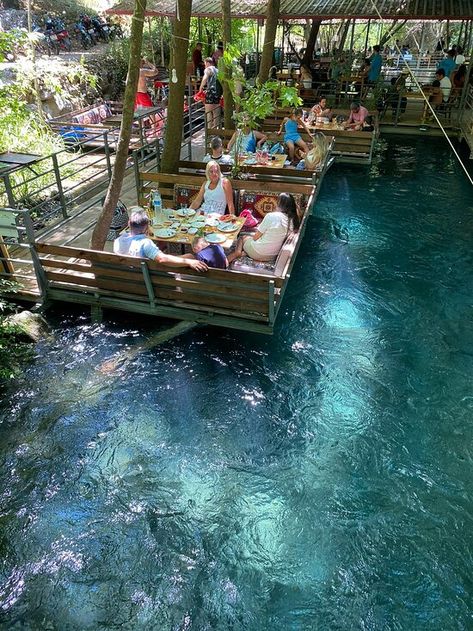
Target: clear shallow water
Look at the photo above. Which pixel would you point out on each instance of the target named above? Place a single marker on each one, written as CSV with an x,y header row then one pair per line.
x,y
319,479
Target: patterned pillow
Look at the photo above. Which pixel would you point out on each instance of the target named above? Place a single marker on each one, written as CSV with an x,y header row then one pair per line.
x,y
259,202
184,194
263,202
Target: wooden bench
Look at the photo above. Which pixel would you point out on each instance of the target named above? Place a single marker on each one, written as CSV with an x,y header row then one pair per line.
x,y
168,184
269,173
249,299
96,126
219,297
349,146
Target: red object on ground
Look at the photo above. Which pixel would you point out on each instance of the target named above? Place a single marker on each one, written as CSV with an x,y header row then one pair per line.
x,y
143,99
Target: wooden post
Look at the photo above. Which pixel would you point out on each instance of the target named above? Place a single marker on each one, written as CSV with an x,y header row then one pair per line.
x,y
106,148
149,284
366,38
5,263
352,39
421,45
96,313
9,191
57,173
257,47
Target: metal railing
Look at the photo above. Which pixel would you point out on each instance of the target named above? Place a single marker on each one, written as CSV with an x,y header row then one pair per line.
x,y
54,185
466,119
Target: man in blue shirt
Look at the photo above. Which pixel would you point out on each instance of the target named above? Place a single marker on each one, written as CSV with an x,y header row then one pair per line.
x,y
137,243
376,61
212,255
448,64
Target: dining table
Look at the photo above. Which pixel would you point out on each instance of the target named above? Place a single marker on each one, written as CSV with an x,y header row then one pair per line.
x,y
183,225
274,161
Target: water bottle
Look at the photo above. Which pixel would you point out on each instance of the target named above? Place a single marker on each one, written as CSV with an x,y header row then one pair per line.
x,y
157,207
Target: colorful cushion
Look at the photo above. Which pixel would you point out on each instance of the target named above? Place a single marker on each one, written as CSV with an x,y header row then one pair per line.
x,y
260,203
184,194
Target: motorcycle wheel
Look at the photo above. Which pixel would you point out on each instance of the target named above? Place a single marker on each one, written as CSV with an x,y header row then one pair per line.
x,y
67,44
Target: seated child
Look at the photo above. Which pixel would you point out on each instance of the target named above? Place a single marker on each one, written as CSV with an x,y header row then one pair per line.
x,y
213,255
435,99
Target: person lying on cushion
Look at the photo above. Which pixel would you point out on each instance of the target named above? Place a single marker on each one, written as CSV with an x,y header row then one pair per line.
x,y
213,255
215,194
137,243
266,242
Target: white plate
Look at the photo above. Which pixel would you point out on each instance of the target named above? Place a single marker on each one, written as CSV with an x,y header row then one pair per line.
x,y
185,212
193,230
211,221
165,233
198,223
227,226
214,237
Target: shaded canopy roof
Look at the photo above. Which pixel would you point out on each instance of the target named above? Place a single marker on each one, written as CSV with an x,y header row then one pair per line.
x,y
326,9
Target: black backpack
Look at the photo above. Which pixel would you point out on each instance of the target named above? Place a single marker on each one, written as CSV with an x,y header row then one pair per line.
x,y
214,85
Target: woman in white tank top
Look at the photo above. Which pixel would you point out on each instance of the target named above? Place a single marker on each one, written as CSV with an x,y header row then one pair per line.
x,y
216,192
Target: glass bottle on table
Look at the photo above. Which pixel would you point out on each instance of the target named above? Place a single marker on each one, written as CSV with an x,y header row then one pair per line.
x,y
157,204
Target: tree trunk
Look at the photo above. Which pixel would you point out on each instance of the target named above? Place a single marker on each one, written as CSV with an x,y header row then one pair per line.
x,y
37,95
272,14
390,32
102,226
175,119
344,32
311,41
227,93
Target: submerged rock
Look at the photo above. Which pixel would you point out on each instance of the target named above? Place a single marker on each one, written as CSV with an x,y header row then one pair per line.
x,y
32,325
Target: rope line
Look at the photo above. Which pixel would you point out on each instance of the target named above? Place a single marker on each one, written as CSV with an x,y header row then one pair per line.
x,y
414,78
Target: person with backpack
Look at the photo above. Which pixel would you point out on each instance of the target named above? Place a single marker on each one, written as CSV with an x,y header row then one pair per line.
x,y
213,94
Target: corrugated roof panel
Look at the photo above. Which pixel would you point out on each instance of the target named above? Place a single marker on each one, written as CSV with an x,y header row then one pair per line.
x,y
411,9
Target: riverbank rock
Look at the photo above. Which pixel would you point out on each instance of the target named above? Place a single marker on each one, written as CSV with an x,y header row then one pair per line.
x,y
32,325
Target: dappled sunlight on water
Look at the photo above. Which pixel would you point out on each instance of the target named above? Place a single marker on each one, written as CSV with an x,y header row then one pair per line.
x,y
318,479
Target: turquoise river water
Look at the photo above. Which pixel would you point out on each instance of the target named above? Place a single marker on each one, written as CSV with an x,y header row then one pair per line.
x,y
320,479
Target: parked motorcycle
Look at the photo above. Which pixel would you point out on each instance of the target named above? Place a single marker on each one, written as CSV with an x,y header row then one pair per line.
x,y
89,28
82,35
57,37
115,30
102,29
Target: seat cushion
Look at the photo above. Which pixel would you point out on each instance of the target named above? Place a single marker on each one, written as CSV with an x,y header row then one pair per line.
x,y
247,264
260,203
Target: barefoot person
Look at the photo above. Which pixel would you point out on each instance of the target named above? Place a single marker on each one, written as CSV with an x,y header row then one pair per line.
x,y
292,137
270,235
142,98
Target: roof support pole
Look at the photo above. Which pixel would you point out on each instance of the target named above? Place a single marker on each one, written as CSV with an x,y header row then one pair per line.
x,y
448,34
352,39
461,32
421,45
257,47
283,51
366,38
468,39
